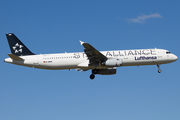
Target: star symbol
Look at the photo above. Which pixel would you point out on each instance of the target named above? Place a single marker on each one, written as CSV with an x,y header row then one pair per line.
x,y
17,48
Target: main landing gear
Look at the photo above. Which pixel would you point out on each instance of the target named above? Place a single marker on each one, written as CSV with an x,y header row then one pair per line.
x,y
92,76
159,70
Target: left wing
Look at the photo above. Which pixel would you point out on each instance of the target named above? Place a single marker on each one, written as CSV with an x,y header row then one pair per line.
x,y
94,56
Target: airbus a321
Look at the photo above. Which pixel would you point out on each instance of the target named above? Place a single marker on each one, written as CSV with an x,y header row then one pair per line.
x,y
99,62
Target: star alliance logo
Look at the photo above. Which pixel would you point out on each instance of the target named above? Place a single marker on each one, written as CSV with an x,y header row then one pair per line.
x,y
17,48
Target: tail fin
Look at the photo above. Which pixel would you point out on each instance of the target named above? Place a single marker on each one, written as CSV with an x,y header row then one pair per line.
x,y
16,46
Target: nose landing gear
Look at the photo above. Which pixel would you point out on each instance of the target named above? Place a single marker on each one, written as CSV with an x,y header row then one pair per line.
x,y
159,70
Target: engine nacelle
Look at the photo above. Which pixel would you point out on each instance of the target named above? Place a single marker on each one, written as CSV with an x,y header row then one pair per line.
x,y
109,71
112,62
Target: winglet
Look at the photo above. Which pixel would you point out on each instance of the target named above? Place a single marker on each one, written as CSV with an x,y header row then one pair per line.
x,y
81,42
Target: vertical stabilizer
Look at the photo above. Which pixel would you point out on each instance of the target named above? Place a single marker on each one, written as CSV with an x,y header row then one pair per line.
x,y
16,46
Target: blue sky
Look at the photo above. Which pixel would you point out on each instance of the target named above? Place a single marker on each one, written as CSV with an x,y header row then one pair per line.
x,y
134,93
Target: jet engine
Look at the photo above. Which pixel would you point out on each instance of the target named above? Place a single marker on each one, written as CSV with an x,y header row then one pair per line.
x,y
112,62
109,71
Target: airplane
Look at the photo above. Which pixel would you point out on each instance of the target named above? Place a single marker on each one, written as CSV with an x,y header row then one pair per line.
x,y
99,62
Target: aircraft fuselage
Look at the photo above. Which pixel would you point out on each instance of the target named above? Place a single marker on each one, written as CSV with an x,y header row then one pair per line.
x,y
100,62
74,60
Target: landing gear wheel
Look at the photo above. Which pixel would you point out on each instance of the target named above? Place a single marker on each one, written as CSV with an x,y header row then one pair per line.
x,y
92,76
159,71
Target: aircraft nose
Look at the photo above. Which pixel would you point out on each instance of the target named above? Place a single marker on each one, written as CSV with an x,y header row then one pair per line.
x,y
175,57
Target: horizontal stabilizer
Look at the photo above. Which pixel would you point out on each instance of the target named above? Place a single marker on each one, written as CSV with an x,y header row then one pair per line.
x,y
14,57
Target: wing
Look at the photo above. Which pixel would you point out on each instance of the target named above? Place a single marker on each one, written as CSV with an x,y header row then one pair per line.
x,y
94,56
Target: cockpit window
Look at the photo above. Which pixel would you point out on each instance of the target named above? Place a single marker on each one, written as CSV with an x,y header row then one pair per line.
x,y
168,52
